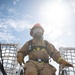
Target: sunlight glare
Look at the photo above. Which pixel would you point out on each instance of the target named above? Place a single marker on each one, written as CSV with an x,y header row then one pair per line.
x,y
54,12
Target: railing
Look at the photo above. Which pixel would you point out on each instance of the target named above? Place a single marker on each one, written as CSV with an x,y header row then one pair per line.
x,y
68,53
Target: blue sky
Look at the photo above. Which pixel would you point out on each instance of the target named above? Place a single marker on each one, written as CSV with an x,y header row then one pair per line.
x,y
57,17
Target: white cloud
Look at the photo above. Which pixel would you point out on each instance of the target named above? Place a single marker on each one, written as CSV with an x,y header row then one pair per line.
x,y
15,1
57,33
69,32
18,25
28,16
8,37
53,31
0,13
73,5
11,10
6,26
57,23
